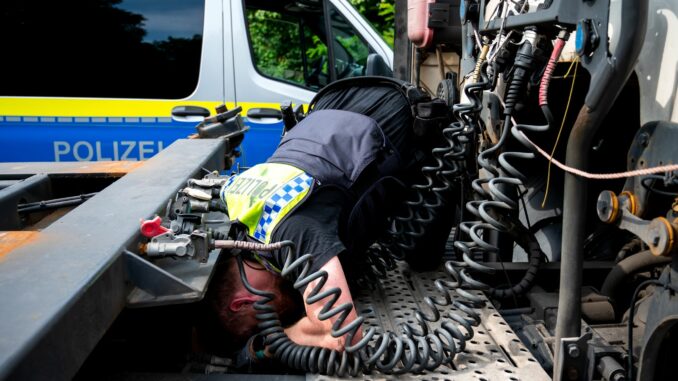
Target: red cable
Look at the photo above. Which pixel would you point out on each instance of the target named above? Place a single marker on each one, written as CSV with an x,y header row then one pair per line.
x,y
550,67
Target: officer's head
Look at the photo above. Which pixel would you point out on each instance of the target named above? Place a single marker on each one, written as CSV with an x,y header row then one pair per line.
x,y
234,305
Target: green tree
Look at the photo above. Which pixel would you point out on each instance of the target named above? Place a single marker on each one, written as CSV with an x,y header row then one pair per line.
x,y
275,42
381,14
275,56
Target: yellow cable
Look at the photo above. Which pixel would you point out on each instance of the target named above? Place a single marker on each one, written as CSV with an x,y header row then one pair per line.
x,y
574,63
479,64
569,69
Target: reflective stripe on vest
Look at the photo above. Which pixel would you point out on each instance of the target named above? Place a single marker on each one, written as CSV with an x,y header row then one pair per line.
x,y
262,196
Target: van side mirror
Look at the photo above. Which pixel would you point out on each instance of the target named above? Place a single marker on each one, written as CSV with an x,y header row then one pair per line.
x,y
377,66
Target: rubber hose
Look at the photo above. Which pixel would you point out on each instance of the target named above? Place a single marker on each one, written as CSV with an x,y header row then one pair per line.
x,y
628,266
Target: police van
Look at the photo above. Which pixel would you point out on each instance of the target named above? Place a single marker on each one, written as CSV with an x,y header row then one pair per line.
x,y
89,80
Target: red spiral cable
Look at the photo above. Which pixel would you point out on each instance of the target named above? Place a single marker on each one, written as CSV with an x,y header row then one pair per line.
x,y
548,72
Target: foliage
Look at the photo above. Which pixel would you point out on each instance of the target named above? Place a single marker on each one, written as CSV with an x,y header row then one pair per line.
x,y
354,46
280,51
381,14
318,50
270,35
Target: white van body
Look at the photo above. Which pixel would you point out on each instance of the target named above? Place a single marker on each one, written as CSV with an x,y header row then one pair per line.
x,y
79,93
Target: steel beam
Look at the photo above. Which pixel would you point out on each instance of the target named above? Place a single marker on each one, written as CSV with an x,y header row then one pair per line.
x,y
61,292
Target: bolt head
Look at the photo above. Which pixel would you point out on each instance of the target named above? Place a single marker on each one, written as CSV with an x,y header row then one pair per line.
x,y
573,351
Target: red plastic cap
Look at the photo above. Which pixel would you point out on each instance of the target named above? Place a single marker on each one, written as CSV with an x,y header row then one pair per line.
x,y
152,228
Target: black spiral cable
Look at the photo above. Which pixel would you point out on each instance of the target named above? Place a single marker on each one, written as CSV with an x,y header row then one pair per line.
x,y
428,198
375,265
496,205
414,350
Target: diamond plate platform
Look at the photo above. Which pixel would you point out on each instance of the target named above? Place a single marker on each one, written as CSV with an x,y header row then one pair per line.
x,y
494,354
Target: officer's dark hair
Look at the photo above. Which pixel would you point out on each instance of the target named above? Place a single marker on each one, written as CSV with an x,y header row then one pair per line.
x,y
226,281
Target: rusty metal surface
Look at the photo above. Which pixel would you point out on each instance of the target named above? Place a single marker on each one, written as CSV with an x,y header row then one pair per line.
x,y
60,292
15,239
111,168
494,354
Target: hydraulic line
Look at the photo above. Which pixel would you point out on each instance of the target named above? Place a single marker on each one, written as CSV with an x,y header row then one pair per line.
x,y
599,176
629,266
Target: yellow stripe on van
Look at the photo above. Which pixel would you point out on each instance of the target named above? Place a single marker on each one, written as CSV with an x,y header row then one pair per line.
x,y
73,107
95,107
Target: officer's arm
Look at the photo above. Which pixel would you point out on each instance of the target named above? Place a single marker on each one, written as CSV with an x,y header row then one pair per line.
x,y
312,331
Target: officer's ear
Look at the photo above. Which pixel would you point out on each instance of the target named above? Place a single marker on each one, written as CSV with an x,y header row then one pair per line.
x,y
241,302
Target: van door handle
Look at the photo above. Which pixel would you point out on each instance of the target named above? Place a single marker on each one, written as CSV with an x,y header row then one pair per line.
x,y
260,113
184,111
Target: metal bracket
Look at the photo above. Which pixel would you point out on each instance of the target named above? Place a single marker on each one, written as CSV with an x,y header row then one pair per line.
x,y
574,359
201,244
174,282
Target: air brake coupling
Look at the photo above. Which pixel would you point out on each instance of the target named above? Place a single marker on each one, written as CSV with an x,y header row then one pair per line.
x,y
196,245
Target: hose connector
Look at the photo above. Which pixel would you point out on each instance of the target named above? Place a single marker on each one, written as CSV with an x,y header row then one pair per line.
x,y
522,66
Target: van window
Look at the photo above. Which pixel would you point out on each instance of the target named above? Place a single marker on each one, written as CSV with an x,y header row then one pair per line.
x,y
285,47
101,48
289,43
350,51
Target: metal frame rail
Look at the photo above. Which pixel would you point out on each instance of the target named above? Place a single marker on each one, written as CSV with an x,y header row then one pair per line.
x,y
60,292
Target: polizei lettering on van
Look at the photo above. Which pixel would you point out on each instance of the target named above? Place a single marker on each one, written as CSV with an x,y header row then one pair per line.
x,y
84,150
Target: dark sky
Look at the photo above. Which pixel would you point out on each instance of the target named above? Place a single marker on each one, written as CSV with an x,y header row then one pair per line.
x,y
164,18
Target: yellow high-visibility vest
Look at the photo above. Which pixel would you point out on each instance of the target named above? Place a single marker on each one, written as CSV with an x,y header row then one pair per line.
x,y
262,196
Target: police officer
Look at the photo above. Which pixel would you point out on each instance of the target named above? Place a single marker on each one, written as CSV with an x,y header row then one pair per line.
x,y
329,187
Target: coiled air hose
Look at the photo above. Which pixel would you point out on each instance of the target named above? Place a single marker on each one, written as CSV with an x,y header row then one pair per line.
x,y
415,349
496,207
449,166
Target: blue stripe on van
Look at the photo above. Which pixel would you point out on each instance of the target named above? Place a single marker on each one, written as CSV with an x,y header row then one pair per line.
x,y
49,138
